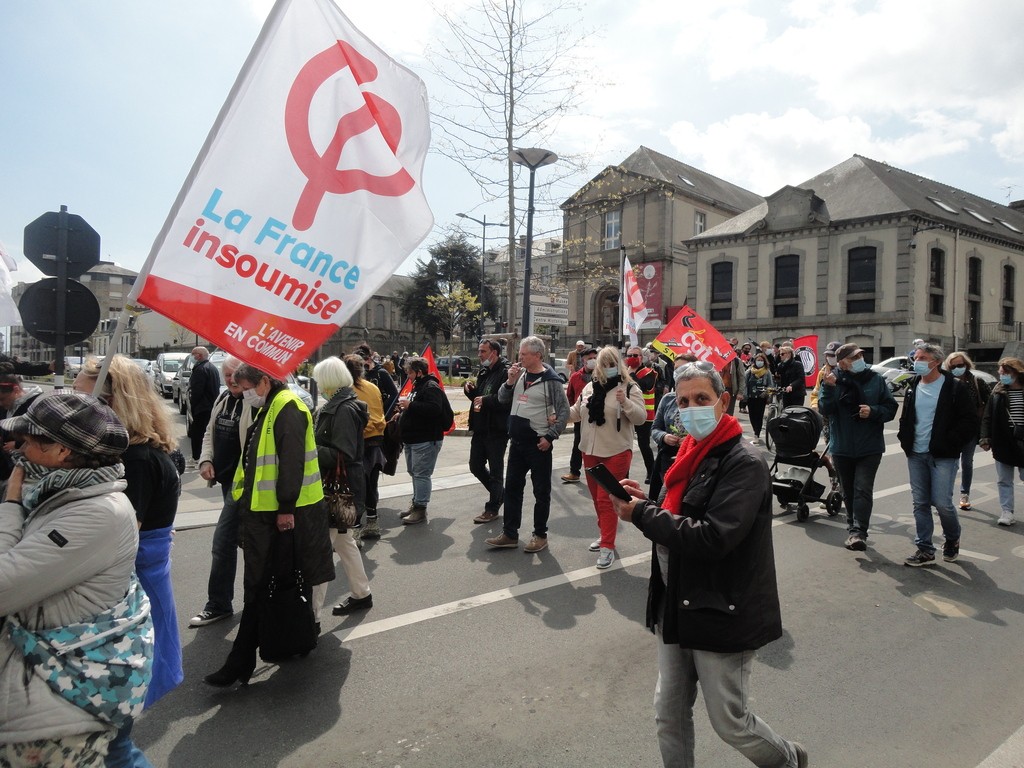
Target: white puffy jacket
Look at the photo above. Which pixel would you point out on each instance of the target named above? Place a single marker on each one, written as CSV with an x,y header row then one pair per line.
x,y
71,559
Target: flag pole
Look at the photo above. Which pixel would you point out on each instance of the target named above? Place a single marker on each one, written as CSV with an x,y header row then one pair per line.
x,y
622,295
115,340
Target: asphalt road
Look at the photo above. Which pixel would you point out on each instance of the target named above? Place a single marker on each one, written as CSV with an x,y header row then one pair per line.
x,y
472,657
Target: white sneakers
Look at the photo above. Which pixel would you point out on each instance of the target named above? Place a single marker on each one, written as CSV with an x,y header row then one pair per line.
x,y
605,558
1006,518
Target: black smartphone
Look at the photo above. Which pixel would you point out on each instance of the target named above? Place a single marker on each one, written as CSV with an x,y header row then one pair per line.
x,y
607,480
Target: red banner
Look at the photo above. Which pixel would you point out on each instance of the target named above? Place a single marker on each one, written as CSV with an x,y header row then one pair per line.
x,y
689,333
805,349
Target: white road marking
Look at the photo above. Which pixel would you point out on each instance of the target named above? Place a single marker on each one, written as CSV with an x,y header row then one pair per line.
x,y
488,598
1008,754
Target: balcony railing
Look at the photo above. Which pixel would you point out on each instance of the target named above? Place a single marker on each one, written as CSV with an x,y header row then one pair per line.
x,y
988,333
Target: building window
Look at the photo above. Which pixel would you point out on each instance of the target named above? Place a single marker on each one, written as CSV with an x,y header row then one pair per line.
x,y
974,276
1008,312
721,291
612,230
700,222
937,282
860,279
378,316
787,285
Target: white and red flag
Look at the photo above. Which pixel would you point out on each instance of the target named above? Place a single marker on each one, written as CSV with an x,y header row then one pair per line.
x,y
305,198
634,310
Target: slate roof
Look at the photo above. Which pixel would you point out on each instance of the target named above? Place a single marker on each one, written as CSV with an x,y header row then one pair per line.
x,y
861,188
685,178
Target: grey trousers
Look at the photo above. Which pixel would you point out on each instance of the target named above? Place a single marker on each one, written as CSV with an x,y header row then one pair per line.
x,y
723,680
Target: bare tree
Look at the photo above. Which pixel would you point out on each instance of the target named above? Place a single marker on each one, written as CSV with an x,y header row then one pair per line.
x,y
511,74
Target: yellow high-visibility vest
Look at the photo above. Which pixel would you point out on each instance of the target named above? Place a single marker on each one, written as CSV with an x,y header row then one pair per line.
x,y
264,487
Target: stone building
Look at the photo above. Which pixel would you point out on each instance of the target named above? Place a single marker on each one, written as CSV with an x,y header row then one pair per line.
x,y
869,253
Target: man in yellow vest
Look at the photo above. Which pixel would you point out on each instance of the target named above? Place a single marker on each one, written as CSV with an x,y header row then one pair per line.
x,y
278,490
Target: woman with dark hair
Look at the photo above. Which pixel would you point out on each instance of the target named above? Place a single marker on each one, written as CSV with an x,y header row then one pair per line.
x,y
280,500
1002,432
790,375
755,392
68,539
373,442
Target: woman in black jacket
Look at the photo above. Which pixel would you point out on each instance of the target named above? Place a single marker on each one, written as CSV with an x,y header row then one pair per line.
x,y
791,378
962,367
1002,432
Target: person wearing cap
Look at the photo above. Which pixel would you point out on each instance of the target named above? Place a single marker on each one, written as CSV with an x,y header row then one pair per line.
x,y
574,360
280,500
573,389
937,421
857,402
68,539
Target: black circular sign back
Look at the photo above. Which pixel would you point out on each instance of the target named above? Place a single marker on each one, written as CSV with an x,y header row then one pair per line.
x,y
38,307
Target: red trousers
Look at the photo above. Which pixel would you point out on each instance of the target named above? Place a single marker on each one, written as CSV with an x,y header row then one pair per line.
x,y
607,520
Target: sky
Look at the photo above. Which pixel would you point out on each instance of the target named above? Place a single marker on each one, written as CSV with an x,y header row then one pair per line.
x,y
106,104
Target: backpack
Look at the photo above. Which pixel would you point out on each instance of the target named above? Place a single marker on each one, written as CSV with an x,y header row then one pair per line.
x,y
447,414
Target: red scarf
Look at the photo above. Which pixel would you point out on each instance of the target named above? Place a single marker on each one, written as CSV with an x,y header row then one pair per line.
x,y
691,453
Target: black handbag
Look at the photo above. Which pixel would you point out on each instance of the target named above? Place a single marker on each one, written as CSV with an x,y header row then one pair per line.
x,y
287,626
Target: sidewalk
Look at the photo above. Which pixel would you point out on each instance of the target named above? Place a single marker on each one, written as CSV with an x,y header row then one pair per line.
x,y
200,506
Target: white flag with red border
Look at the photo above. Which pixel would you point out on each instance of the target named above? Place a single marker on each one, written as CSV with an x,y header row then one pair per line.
x,y
634,309
304,199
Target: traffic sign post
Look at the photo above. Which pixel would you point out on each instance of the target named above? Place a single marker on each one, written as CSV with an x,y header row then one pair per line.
x,y
62,245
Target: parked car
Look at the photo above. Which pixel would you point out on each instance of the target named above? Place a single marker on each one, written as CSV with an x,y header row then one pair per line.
x,y
145,365
72,366
461,366
164,368
179,383
896,372
562,369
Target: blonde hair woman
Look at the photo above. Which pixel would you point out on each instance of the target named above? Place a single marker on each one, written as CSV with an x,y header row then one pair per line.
x,y
608,411
153,489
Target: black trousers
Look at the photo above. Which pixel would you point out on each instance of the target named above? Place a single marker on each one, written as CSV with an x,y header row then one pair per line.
x,y
487,463
643,439
576,458
755,409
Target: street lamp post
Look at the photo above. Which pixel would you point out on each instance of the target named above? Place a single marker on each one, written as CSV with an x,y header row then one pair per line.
x,y
483,251
533,159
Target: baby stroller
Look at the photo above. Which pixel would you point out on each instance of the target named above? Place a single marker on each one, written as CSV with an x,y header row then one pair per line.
x,y
795,433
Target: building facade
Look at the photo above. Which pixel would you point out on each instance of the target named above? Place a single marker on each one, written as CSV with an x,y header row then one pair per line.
x,y
643,209
867,253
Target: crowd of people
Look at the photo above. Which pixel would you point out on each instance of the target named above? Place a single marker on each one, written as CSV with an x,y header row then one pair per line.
x,y
99,468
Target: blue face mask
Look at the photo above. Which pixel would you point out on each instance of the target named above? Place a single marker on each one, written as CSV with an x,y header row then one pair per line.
x,y
922,368
611,373
1005,379
699,420
858,366
959,371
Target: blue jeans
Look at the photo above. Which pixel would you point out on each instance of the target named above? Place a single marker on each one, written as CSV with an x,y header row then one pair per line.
x,y
523,458
221,588
122,752
857,478
420,459
967,467
724,681
1004,482
931,485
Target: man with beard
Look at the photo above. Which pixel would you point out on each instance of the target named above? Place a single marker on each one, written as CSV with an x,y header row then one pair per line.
x,y
488,420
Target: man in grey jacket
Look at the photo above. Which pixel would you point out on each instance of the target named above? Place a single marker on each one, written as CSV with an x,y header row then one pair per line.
x,y
539,414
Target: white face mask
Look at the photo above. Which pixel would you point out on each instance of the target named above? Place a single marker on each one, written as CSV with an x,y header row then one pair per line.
x,y
591,364
251,397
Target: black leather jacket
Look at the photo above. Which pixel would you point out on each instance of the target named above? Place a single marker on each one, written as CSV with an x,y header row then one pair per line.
x,y
492,418
721,592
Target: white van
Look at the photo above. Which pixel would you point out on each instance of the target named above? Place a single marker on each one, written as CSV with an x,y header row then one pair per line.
x,y
166,365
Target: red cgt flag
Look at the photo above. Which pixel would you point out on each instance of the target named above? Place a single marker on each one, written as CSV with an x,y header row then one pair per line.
x,y
428,355
690,333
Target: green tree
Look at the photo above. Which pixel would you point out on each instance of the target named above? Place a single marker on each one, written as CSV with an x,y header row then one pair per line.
x,y
452,261
456,308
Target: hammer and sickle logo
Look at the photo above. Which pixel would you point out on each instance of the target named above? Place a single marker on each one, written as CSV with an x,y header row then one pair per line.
x,y
322,170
